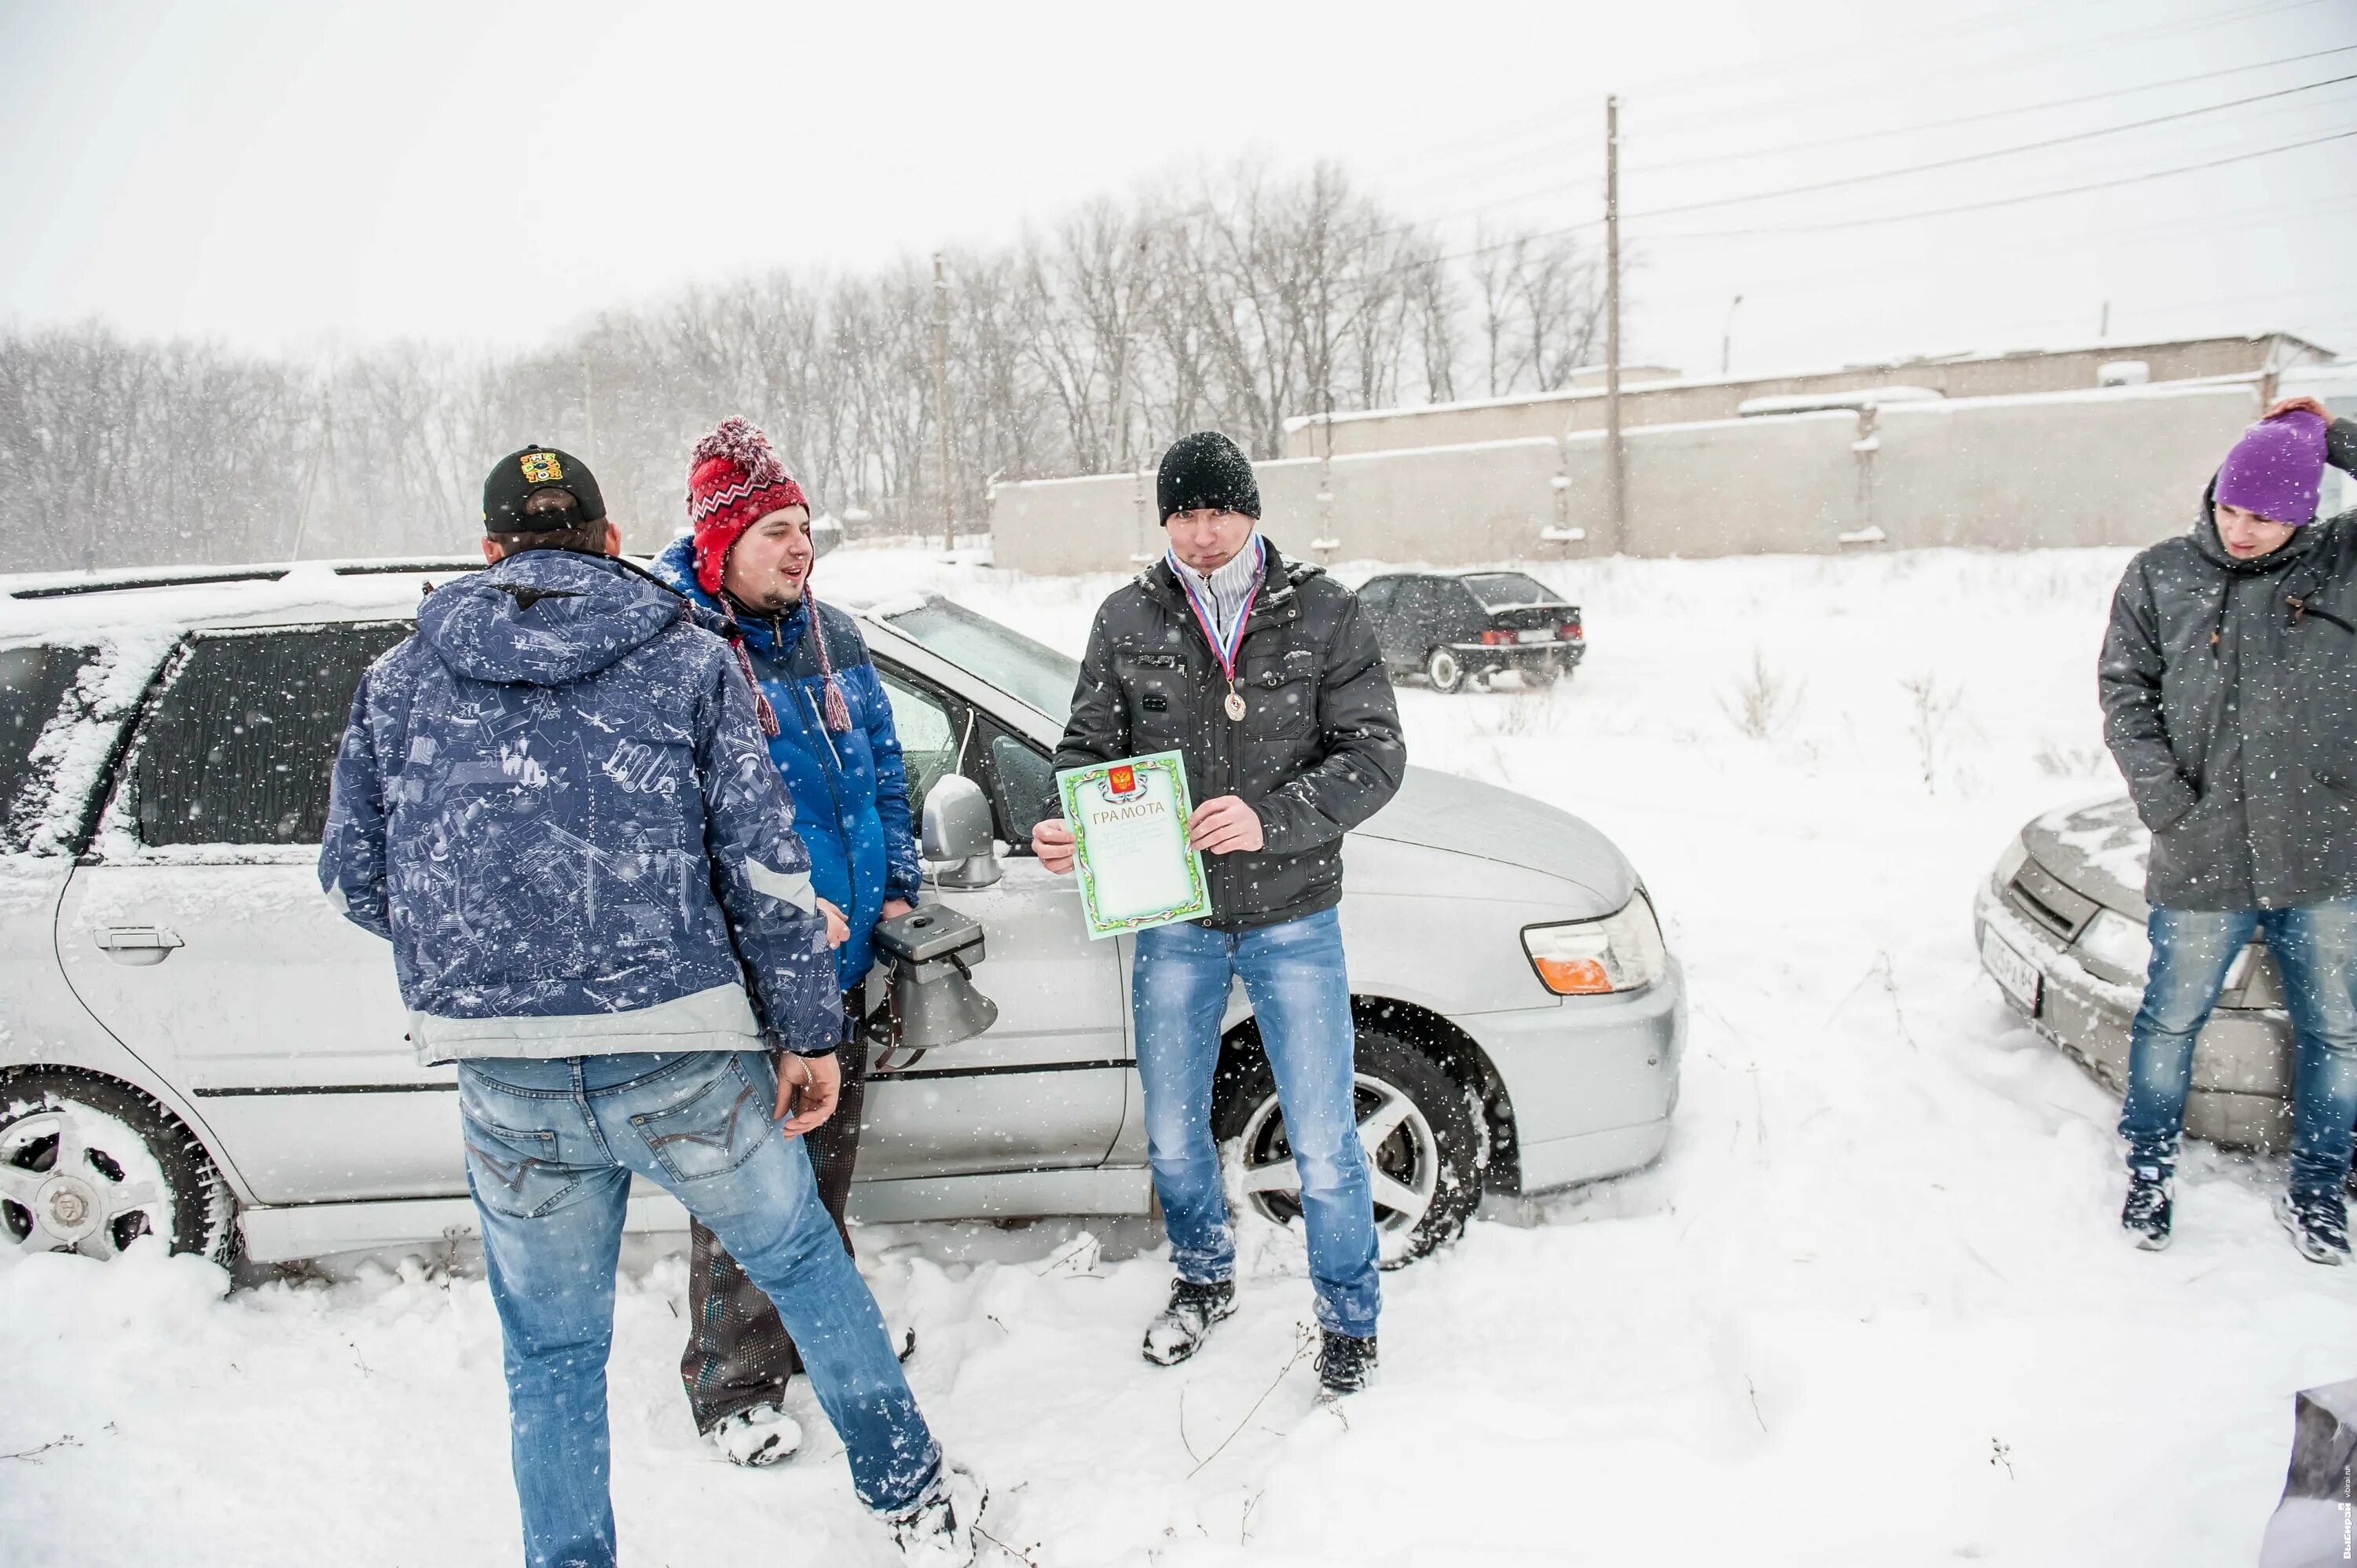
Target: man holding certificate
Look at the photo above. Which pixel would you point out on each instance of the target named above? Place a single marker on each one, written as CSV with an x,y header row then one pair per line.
x,y
1229,676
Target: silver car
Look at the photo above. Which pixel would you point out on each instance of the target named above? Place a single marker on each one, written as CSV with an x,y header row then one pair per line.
x,y
192,1044
2061,930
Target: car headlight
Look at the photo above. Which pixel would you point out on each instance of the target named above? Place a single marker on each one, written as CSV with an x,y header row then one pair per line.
x,y
2010,863
1593,957
2118,943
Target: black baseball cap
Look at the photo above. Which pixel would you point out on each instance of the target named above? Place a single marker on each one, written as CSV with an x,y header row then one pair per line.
x,y
520,476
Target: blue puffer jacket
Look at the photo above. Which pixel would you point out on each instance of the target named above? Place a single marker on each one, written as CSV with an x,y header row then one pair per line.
x,y
554,802
850,794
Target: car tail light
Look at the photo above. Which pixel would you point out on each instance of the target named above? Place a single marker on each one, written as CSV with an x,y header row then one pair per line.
x,y
1572,633
1492,639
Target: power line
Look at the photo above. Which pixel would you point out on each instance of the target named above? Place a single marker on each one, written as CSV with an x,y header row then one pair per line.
x,y
1982,157
1984,115
1590,182
2006,200
1674,87
1422,262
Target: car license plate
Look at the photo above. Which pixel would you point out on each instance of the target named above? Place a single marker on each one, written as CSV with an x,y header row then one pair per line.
x,y
2017,976
1544,634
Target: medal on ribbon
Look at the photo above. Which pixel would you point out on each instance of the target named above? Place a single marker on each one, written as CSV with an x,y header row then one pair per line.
x,y
1224,649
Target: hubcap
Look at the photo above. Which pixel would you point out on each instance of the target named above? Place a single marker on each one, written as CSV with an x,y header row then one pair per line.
x,y
1444,669
74,1180
1402,1163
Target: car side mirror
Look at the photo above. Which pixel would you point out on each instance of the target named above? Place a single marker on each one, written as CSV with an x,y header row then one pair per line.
x,y
956,833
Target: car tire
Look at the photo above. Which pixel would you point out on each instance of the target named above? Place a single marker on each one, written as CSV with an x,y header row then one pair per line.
x,y
1430,1152
88,1164
1444,669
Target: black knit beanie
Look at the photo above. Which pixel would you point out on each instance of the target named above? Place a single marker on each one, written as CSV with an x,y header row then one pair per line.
x,y
1206,470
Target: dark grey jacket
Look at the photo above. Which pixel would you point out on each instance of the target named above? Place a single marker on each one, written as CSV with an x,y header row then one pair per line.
x,y
2230,702
1318,752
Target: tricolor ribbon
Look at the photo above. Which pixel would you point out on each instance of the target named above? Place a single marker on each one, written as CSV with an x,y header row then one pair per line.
x,y
1207,614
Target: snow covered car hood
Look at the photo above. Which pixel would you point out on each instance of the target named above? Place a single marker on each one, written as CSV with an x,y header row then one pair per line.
x,y
2096,850
1441,811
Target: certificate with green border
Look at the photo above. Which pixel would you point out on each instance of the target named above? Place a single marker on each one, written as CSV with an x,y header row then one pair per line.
x,y
1129,828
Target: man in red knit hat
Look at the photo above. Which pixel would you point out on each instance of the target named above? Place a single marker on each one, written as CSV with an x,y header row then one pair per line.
x,y
749,557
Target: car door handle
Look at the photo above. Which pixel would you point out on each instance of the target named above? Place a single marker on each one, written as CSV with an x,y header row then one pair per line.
x,y
138,944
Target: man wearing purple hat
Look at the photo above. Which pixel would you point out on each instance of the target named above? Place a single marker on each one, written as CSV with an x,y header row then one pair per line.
x,y
2229,683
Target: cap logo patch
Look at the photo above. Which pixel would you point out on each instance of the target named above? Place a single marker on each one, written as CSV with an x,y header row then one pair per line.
x,y
541,468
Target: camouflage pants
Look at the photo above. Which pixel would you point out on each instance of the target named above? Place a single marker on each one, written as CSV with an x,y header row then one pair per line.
x,y
739,1354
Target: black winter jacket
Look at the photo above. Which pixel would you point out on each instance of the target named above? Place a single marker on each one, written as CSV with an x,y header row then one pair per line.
x,y
2230,702
1318,752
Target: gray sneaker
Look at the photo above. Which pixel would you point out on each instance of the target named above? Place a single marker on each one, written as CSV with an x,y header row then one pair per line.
x,y
2146,1214
2319,1223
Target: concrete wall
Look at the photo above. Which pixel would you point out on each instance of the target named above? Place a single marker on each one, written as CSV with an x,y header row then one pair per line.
x,y
2117,466
1687,402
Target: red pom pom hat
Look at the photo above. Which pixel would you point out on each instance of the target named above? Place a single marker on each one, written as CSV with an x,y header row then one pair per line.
x,y
734,479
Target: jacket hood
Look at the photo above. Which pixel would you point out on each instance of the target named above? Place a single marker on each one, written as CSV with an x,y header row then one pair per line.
x,y
773,636
2213,549
545,618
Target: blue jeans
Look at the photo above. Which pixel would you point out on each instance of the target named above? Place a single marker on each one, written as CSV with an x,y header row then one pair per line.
x,y
2316,947
1293,973
551,1148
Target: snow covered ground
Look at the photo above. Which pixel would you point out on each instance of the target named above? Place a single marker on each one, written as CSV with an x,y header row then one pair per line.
x,y
1871,1307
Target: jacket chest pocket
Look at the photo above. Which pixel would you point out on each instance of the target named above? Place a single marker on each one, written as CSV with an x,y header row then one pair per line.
x,y
1280,697
1154,686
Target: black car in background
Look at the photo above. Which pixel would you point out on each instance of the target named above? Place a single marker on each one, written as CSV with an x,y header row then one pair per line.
x,y
1450,627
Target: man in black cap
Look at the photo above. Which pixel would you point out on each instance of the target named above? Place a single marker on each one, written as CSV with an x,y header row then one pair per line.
x,y
556,805
1264,674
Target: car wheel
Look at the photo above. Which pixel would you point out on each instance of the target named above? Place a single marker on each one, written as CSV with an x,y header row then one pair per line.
x,y
88,1166
1441,668
1415,1123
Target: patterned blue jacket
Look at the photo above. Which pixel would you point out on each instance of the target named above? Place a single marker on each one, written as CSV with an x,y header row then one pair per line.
x,y
554,802
851,793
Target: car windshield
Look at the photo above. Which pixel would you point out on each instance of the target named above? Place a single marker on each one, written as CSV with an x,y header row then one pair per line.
x,y
1032,673
1496,590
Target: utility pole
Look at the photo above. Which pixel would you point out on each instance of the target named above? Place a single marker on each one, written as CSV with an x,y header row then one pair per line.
x,y
941,396
1726,337
588,406
1616,476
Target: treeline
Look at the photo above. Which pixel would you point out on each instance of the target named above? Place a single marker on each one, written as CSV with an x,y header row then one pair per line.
x,y
1236,301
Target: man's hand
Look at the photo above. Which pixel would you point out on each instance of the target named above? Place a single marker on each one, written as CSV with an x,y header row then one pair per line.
x,y
896,908
1223,825
838,929
1052,841
2300,406
808,1087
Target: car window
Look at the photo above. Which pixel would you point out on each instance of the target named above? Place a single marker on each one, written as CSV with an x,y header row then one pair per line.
x,y
239,748
1455,602
1417,603
1498,589
33,683
1377,595
1031,672
1021,777
929,736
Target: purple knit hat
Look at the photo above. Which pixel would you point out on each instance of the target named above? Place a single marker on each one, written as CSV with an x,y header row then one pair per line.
x,y
2276,468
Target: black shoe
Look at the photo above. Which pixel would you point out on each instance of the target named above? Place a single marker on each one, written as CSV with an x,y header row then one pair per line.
x,y
2318,1224
2146,1213
1345,1363
1178,1331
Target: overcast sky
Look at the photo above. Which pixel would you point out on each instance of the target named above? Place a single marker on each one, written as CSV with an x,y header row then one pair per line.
x,y
304,177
